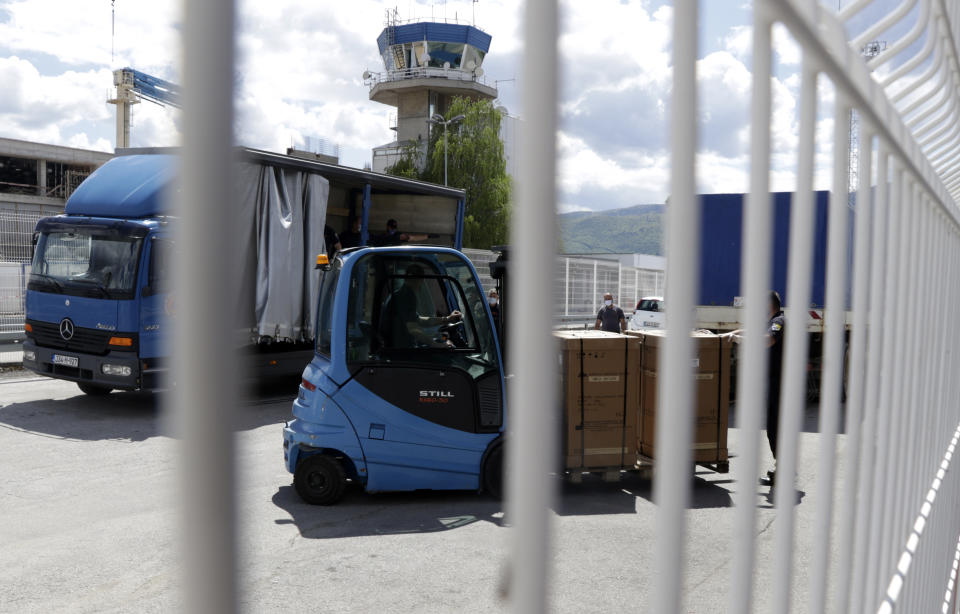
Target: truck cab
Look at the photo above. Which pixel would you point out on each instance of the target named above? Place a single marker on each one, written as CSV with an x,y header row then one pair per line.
x,y
401,394
97,291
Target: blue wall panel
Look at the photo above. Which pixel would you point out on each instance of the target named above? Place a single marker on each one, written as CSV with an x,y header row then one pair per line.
x,y
721,242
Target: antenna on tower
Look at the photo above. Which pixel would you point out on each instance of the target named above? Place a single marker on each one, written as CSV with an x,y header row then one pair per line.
x,y
869,50
113,27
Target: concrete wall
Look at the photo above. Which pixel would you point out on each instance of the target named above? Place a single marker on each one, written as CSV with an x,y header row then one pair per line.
x,y
11,201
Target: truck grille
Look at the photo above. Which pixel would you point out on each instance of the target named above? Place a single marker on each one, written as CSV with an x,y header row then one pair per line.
x,y
85,340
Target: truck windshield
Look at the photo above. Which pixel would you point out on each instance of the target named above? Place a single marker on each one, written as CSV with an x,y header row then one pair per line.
x,y
86,262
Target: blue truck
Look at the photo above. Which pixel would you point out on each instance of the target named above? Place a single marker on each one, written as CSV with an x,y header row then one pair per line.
x,y
99,301
406,387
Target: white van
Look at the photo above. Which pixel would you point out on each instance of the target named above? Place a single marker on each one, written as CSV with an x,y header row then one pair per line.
x,y
650,313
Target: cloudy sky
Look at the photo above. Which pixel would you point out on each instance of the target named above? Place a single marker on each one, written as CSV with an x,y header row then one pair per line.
x,y
300,66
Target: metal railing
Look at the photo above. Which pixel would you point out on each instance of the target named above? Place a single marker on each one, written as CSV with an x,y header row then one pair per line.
x,y
581,281
897,507
16,233
373,79
898,525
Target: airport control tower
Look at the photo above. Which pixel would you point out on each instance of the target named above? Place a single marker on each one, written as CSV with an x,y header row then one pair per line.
x,y
426,65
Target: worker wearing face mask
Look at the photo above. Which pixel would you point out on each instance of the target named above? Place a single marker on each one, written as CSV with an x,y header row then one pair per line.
x,y
610,318
493,299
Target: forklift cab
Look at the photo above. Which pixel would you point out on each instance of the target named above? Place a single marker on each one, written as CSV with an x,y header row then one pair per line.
x,y
408,359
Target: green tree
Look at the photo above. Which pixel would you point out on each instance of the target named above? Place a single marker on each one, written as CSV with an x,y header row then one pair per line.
x,y
475,163
409,163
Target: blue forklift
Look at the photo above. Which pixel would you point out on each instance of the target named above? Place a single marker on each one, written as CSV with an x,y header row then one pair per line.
x,y
406,387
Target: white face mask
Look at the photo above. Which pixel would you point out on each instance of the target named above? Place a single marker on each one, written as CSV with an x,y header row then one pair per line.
x,y
608,302
492,300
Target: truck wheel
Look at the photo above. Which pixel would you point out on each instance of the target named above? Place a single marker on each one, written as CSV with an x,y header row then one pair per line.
x,y
320,480
93,389
493,473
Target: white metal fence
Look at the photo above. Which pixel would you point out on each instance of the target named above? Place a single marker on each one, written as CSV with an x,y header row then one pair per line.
x,y
16,232
897,507
581,281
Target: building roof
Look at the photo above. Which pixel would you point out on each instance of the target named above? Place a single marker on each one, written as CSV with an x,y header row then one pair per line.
x,y
434,32
55,153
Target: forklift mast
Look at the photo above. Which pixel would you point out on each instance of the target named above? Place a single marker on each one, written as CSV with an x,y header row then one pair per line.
x,y
499,273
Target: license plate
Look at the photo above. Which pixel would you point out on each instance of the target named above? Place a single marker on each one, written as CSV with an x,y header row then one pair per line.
x,y
652,324
67,361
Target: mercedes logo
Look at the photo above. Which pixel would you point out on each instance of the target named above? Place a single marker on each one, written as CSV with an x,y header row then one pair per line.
x,y
66,329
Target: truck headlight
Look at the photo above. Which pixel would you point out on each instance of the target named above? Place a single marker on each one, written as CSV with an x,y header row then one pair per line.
x,y
121,370
29,355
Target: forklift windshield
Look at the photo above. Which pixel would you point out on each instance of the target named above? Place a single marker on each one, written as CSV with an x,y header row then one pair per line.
x,y
418,308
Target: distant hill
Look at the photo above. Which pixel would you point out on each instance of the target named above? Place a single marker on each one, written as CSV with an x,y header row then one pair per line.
x,y
631,230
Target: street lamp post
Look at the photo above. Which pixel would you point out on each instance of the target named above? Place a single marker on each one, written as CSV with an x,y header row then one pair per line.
x,y
438,119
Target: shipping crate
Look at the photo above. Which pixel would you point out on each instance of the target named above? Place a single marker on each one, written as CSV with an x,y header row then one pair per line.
x,y
711,384
600,394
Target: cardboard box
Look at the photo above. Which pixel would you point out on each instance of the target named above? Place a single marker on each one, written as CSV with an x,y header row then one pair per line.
x,y
706,447
600,392
597,446
707,355
711,386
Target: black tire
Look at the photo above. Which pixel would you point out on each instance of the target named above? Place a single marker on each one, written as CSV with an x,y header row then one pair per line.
x,y
493,473
320,480
93,390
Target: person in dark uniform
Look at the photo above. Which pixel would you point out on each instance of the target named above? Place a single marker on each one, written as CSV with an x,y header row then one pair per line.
x,y
775,327
351,238
332,241
395,237
774,334
610,318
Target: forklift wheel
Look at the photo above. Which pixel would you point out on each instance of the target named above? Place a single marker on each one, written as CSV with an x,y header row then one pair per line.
x,y
493,473
320,480
93,389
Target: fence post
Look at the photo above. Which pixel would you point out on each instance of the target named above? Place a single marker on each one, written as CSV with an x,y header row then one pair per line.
x,y
203,401
530,492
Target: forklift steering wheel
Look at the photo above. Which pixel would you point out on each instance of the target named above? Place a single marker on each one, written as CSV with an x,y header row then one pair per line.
x,y
454,332
449,326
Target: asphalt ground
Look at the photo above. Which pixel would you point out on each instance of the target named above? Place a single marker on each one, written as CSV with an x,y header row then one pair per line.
x,y
88,523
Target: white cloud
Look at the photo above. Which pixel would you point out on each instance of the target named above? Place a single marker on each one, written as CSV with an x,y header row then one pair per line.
x,y
154,126
718,174
298,75
79,33
739,42
82,141
50,109
785,46
638,178
570,208
724,103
